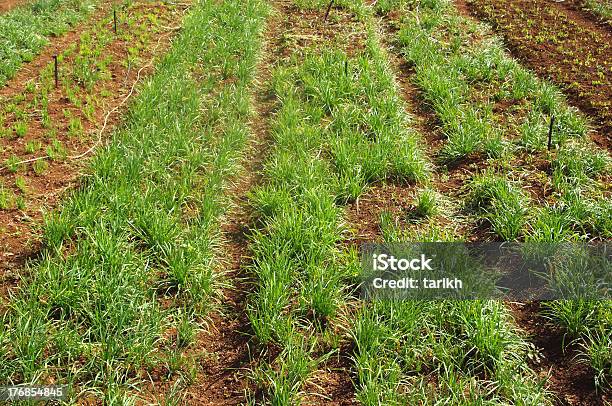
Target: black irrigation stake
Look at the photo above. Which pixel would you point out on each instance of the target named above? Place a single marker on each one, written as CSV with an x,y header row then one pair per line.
x,y
328,10
550,130
115,20
56,71
345,68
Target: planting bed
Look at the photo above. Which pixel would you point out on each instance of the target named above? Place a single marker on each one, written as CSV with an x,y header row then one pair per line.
x,y
47,130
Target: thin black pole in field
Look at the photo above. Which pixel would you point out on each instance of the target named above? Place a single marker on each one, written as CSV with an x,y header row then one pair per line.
x,y
345,68
115,20
56,71
550,130
328,10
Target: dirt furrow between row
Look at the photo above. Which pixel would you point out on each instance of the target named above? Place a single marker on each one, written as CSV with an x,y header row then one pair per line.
x,y
228,341
582,12
8,5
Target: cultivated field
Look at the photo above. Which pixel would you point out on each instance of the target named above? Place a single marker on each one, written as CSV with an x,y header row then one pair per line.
x,y
185,186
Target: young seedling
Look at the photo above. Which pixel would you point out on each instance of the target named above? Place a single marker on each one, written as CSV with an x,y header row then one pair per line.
x,y
426,204
40,166
12,163
6,198
21,129
21,184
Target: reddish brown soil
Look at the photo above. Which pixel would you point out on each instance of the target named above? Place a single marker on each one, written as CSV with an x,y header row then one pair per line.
x,y
222,380
560,42
363,215
6,5
20,229
334,378
579,6
306,29
570,381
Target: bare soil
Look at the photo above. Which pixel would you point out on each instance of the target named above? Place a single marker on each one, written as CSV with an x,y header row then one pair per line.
x,y
7,5
579,6
332,385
